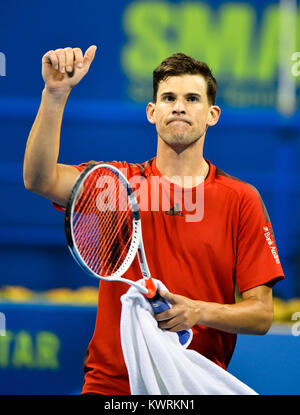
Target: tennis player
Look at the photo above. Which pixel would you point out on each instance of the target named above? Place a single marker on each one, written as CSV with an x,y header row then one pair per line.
x,y
201,262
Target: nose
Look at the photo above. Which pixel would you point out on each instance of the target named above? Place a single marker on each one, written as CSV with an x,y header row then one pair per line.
x,y
178,107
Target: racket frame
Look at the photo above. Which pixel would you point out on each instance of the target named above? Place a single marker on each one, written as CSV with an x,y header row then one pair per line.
x,y
136,245
158,303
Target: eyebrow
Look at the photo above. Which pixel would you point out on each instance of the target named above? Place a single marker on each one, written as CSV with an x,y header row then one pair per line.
x,y
189,94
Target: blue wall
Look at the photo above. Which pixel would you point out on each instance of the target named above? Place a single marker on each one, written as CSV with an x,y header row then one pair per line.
x,y
42,353
32,231
105,120
269,364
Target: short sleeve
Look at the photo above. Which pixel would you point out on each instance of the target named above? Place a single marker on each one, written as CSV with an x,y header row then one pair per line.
x,y
79,167
123,165
257,257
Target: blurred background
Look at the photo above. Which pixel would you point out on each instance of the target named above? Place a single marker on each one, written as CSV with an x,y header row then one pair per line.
x,y
47,304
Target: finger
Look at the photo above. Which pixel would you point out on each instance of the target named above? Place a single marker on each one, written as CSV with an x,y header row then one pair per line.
x,y
178,327
168,296
89,55
78,57
69,59
60,53
50,58
165,315
171,324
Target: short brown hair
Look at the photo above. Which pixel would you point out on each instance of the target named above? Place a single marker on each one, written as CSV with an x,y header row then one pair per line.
x,y
181,64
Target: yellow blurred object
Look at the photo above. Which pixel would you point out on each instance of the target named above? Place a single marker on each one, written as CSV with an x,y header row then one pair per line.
x,y
59,295
87,295
283,310
81,296
16,293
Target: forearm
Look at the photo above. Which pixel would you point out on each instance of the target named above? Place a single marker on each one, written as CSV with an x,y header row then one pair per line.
x,y
43,143
246,317
252,315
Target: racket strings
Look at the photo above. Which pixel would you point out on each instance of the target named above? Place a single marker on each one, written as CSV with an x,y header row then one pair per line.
x,y
91,212
117,248
118,220
92,220
82,211
85,219
103,231
114,246
89,220
122,243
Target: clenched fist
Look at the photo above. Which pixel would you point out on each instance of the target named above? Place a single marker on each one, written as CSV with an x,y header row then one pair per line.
x,y
62,69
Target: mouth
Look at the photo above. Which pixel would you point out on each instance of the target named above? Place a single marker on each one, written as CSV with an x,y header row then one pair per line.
x,y
179,120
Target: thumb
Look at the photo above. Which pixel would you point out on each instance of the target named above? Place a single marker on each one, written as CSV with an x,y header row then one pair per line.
x,y
89,55
168,296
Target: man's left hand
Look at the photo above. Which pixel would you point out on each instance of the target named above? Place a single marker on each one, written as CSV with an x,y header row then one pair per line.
x,y
183,315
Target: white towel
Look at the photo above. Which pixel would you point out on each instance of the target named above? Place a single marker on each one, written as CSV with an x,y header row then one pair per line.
x,y
158,364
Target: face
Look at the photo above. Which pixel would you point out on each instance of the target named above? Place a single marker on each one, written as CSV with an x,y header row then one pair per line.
x,y
182,111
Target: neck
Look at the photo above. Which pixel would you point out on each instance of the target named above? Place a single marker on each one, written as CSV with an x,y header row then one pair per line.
x,y
187,166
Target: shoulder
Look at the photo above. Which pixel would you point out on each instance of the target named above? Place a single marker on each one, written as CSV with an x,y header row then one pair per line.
x,y
248,196
244,191
238,186
138,169
128,168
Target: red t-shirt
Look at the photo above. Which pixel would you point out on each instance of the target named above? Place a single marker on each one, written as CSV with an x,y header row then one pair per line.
x,y
202,254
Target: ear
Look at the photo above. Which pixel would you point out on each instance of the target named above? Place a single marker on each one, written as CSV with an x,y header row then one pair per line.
x,y
213,115
150,110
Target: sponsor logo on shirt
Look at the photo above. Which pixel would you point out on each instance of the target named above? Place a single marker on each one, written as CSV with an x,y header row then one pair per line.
x,y
271,243
175,210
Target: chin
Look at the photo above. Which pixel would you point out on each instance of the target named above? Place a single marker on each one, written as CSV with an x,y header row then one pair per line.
x,y
179,141
179,145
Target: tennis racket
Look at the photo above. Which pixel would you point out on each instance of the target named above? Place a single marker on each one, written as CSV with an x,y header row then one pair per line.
x,y
104,233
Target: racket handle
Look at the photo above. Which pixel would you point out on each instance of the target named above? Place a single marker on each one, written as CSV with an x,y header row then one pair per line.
x,y
159,304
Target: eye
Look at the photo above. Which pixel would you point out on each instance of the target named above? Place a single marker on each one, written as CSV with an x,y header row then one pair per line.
x,y
168,98
193,98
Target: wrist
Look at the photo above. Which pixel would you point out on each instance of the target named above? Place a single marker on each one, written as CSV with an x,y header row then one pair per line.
x,y
58,96
207,312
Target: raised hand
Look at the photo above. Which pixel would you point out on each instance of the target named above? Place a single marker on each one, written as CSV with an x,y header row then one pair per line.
x,y
62,69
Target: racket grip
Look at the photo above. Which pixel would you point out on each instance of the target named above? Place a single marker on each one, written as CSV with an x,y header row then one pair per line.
x,y
159,304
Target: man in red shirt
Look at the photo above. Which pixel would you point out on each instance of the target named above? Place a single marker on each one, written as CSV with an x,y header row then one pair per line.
x,y
201,261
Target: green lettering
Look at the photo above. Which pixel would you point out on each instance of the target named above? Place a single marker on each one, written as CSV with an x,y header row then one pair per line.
x,y
147,25
23,351
269,48
47,347
227,39
297,41
223,42
5,342
193,36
